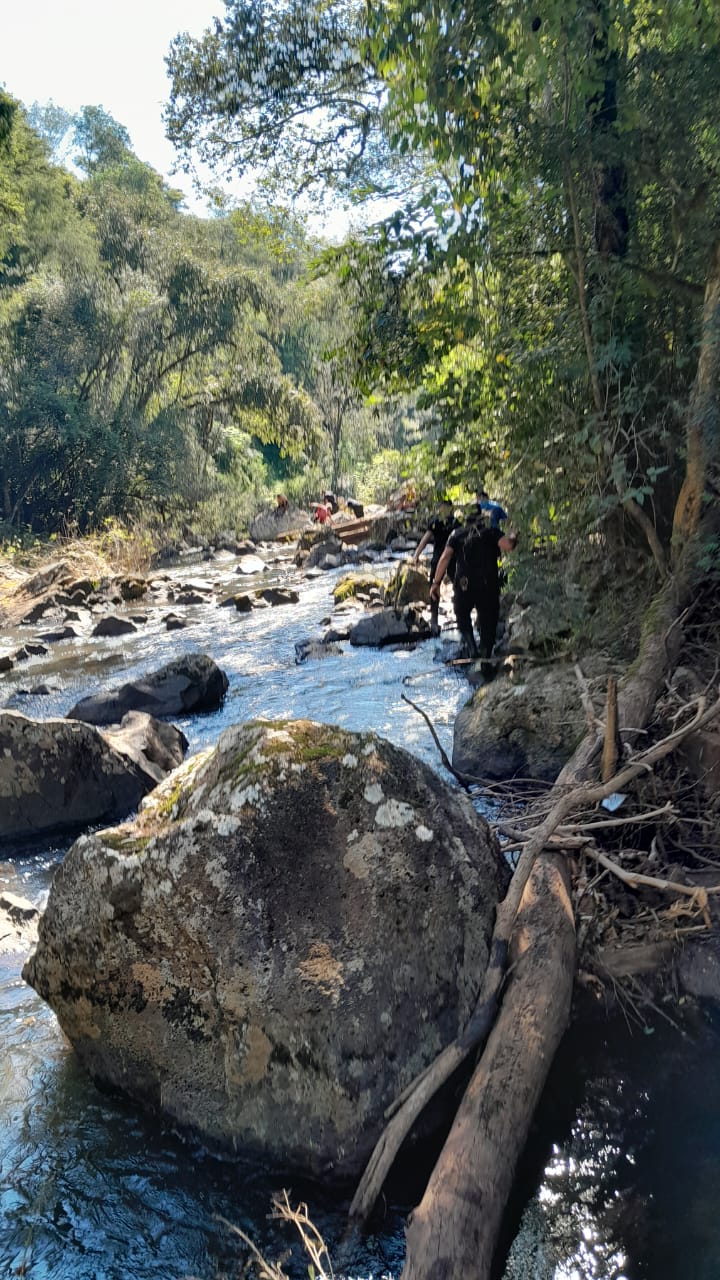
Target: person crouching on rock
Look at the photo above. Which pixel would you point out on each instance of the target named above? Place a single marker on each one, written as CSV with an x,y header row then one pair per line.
x,y
322,514
437,532
282,505
474,551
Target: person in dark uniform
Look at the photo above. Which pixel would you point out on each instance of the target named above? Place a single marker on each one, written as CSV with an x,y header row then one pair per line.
x,y
474,552
437,532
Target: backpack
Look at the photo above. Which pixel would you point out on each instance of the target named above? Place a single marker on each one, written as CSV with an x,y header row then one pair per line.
x,y
480,553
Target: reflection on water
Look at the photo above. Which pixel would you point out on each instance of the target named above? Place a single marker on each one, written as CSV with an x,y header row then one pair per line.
x,y
622,1175
623,1167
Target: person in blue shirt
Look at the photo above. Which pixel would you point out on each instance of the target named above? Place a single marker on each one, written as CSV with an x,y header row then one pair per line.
x,y
491,511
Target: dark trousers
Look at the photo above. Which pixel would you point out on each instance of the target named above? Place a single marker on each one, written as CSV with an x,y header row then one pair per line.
x,y
485,599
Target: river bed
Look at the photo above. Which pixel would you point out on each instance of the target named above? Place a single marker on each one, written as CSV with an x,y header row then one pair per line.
x,y
623,1169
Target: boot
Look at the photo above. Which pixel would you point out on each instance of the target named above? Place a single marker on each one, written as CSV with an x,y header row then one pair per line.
x,y
468,640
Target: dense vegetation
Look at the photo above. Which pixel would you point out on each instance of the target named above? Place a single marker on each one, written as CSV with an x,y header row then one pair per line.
x,y
556,171
153,363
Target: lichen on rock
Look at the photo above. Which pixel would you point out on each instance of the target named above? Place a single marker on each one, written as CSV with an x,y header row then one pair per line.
x,y
278,943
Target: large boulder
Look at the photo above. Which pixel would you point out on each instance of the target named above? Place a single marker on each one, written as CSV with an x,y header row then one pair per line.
x,y
58,775
390,626
526,728
269,525
294,926
189,684
326,552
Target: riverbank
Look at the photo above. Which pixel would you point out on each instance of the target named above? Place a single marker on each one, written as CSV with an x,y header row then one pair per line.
x,y
258,650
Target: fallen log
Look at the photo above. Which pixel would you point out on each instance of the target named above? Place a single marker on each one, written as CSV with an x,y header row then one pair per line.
x,y
452,1233
525,886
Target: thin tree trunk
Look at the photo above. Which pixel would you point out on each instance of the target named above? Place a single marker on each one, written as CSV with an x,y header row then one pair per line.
x,y
703,421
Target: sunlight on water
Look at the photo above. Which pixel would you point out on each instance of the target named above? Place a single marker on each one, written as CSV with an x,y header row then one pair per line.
x,y
92,1190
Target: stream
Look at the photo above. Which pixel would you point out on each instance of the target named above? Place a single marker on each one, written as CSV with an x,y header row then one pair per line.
x,y
622,1172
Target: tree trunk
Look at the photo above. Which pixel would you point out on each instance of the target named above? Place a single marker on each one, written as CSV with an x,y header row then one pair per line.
x,y
703,422
452,1233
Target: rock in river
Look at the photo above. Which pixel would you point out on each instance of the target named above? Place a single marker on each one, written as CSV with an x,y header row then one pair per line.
x,y
294,926
60,774
191,683
523,728
390,626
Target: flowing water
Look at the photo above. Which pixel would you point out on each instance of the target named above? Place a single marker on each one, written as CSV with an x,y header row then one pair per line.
x,y
623,1169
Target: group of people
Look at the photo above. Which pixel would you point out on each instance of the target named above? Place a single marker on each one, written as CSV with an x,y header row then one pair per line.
x,y
468,551
324,511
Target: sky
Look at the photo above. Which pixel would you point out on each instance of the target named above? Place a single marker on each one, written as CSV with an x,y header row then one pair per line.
x,y
107,53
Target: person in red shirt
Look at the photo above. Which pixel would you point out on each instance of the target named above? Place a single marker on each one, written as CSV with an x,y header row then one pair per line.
x,y
321,513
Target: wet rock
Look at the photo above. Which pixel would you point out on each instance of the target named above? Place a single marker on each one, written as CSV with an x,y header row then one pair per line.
x,y
174,623
388,626
58,775
355,584
291,930
30,651
408,585
53,637
190,597
82,587
153,746
242,602
36,691
317,648
323,545
18,923
114,626
190,684
132,588
527,728
251,564
39,610
698,968
278,595
6,662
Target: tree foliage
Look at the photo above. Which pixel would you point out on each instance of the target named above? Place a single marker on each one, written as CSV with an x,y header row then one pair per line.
x,y
145,355
541,280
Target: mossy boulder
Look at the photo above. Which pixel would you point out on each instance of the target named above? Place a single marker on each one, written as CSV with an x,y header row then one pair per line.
x,y
407,586
353,583
295,925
